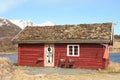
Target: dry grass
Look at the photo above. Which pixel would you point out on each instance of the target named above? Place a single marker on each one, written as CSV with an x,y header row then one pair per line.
x,y
116,47
112,68
16,73
5,67
9,52
116,44
20,75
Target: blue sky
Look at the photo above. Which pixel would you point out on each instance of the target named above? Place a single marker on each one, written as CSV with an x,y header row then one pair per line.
x,y
63,11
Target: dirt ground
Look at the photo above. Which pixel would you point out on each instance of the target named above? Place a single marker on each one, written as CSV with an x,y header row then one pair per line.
x,y
96,76
67,74
33,73
60,71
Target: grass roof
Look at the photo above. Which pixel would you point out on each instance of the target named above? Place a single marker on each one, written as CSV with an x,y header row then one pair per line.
x,y
82,33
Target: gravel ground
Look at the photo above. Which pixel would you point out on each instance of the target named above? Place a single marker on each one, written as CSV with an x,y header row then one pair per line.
x,y
40,73
61,71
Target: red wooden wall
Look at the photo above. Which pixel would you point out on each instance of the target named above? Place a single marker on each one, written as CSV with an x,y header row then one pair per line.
x,y
31,54
91,56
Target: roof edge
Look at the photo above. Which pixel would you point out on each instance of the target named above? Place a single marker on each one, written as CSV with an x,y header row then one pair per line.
x,y
61,41
17,35
112,34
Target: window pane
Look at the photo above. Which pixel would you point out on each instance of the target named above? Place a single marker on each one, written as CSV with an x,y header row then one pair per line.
x,y
75,50
70,47
70,53
75,47
70,50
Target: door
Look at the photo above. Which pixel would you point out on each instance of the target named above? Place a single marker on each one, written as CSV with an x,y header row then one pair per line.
x,y
49,55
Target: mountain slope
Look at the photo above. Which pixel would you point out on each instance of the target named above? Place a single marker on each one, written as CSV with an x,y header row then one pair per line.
x,y
7,31
7,28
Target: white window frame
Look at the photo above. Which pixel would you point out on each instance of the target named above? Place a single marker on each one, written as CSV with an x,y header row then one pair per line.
x,y
73,53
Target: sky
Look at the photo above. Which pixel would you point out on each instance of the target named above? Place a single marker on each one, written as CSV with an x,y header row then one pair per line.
x,y
63,11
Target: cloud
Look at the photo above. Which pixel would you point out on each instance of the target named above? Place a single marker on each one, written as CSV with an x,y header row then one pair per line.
x,y
6,5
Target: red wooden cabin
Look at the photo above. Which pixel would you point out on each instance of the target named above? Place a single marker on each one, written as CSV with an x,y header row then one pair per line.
x,y
76,46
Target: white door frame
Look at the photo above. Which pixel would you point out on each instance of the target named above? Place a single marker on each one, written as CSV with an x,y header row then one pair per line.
x,y
49,55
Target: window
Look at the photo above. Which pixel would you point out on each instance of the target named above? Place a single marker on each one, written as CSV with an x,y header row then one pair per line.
x,y
72,50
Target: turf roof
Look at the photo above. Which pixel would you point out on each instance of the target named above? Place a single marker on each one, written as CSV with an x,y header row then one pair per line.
x,y
82,33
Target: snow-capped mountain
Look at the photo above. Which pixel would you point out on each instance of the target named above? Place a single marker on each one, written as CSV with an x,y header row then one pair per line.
x,y
10,28
7,31
7,28
22,23
4,22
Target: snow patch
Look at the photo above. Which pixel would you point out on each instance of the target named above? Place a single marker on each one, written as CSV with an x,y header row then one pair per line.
x,y
4,22
1,24
21,23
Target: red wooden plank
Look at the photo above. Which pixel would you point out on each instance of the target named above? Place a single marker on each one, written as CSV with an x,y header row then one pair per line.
x,y
29,53
90,55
